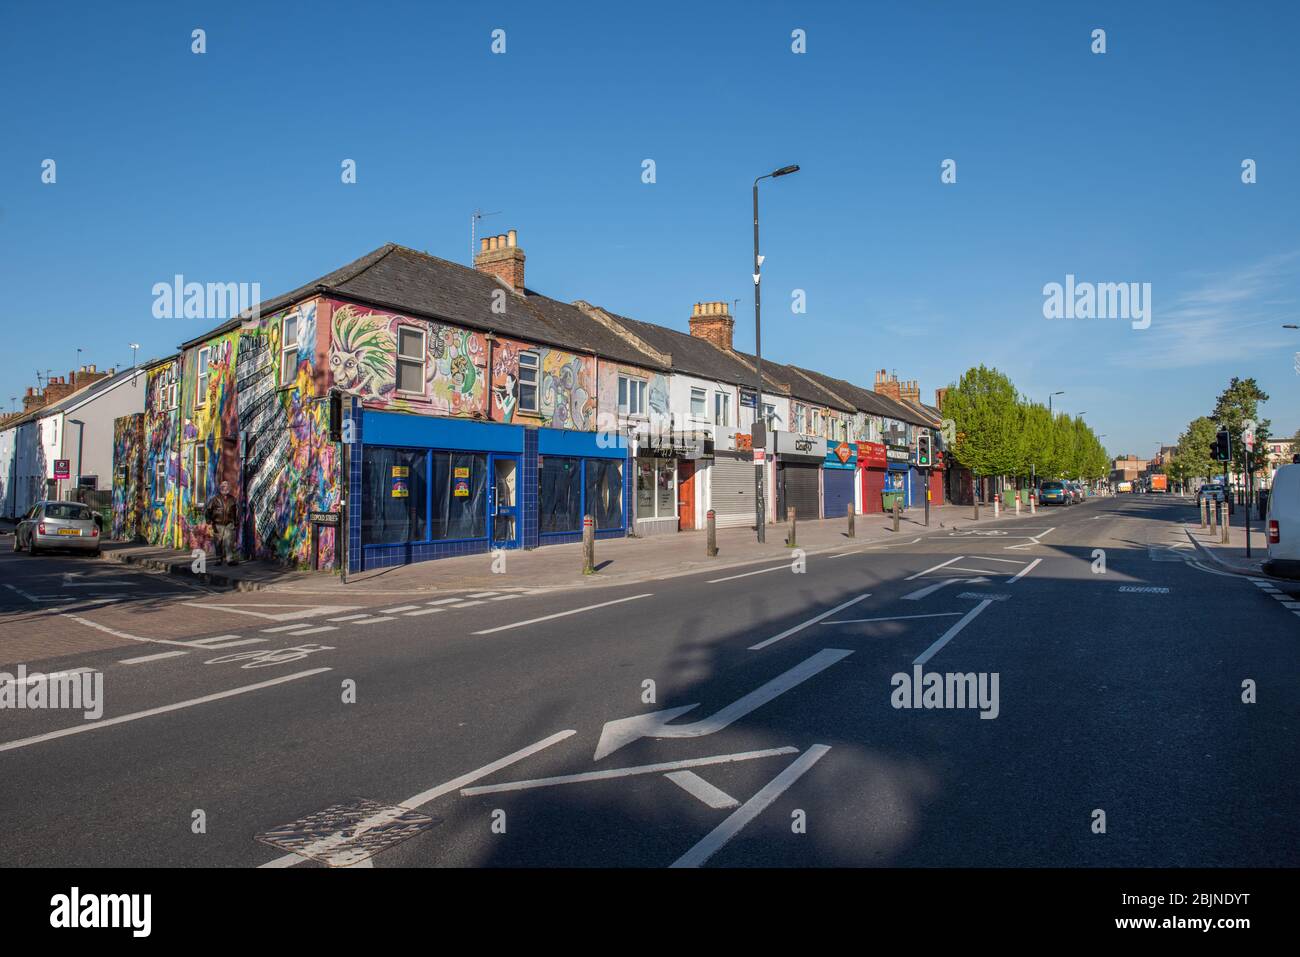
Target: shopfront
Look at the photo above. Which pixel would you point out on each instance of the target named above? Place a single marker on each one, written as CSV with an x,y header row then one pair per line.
x,y
425,487
873,467
839,468
898,475
799,460
672,470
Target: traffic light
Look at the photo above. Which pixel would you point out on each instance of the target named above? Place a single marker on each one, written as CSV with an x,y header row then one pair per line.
x,y
1222,446
923,449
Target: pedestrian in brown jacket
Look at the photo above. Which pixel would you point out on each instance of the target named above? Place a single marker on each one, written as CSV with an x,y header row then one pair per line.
x,y
222,513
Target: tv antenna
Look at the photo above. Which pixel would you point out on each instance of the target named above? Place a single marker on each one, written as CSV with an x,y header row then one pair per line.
x,y
473,226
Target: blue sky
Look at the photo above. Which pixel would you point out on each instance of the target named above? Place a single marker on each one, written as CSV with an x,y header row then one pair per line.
x,y
1121,167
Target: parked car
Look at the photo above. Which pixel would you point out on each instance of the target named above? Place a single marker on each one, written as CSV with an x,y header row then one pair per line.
x,y
1210,493
1054,493
1283,524
50,524
1076,491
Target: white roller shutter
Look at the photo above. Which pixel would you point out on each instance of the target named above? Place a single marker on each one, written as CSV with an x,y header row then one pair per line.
x,y
731,490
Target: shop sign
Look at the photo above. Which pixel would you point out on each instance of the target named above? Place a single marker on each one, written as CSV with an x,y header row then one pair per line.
x,y
797,445
462,472
872,455
674,445
840,455
401,471
400,488
744,442
461,488
898,453
323,518
748,399
62,468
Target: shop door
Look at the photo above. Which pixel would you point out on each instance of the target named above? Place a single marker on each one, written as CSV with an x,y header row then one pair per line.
x,y
685,495
503,500
799,488
873,485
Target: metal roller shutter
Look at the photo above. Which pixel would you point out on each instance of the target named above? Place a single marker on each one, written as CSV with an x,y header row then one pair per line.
x,y
873,486
731,492
799,489
838,485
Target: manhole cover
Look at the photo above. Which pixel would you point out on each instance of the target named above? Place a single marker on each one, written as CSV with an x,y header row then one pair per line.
x,y
347,833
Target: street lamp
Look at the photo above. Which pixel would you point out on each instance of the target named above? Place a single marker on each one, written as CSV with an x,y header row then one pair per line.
x,y
135,348
1049,403
760,498
1290,325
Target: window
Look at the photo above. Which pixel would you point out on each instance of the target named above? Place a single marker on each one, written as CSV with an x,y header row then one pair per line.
x,y
604,488
204,374
631,396
529,364
656,488
289,335
722,408
697,403
160,480
199,482
769,413
410,360
413,495
559,501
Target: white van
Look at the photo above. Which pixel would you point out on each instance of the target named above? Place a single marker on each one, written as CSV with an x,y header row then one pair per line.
x,y
1283,524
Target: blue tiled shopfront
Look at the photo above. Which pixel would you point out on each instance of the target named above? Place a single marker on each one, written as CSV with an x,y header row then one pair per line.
x,y
423,487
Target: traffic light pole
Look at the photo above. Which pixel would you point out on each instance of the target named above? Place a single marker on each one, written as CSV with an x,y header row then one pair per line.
x,y
927,498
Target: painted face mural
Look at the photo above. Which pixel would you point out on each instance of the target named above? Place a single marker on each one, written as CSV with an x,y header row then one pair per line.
x,y
362,354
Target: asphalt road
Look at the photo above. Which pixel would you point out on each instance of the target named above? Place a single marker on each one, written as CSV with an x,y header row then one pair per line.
x,y
293,727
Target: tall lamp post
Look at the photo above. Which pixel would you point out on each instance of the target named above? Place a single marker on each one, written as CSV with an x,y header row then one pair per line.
x,y
760,498
1049,403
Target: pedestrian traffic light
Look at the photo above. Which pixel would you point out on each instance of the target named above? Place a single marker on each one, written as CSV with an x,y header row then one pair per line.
x,y
923,449
1222,446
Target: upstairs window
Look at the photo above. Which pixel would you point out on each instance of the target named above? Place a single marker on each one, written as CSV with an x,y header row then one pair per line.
x,y
631,396
289,335
410,360
698,398
721,408
529,368
203,377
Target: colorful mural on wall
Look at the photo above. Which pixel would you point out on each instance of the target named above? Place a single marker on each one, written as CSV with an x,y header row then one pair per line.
x,y
657,395
159,524
363,362
566,387
209,449
128,477
290,466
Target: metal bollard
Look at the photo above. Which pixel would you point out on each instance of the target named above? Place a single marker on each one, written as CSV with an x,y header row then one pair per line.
x,y
997,505
588,545
1017,505
711,533
1214,516
852,519
1033,504
789,517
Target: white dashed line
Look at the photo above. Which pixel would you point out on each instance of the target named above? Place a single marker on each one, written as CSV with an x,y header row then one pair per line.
x,y
158,657
424,611
374,621
394,611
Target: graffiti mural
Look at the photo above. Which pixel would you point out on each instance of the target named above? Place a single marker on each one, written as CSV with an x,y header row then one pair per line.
x,y
159,522
290,466
209,451
363,362
566,387
128,477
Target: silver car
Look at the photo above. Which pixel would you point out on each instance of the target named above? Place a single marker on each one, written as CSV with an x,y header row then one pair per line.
x,y
50,525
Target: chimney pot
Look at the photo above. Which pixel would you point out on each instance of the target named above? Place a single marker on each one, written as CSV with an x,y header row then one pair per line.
x,y
511,237
483,245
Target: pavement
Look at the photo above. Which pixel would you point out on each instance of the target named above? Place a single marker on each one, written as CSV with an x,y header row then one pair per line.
x,y
1132,705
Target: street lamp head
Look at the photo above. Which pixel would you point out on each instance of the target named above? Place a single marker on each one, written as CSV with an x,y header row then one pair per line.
x,y
1290,325
786,171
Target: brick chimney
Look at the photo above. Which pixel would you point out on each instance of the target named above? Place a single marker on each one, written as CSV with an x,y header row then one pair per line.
x,y
712,321
59,388
887,384
500,256
34,399
939,396
910,391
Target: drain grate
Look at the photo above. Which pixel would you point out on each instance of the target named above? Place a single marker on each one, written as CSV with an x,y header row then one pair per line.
x,y
345,834
1144,589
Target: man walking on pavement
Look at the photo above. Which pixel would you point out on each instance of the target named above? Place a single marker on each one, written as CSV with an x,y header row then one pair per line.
x,y
222,513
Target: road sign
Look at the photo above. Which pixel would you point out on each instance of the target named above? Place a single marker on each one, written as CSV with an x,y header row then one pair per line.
x,y
62,468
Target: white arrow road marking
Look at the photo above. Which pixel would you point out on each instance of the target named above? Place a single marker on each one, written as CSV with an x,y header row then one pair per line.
x,y
612,773
811,621
951,633
955,558
414,803
1025,571
624,731
931,589
304,611
735,822
1033,540
701,790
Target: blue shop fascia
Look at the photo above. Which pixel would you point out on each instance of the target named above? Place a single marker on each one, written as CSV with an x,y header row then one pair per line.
x,y
422,487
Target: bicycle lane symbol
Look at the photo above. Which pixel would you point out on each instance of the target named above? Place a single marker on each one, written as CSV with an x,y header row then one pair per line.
x,y
268,657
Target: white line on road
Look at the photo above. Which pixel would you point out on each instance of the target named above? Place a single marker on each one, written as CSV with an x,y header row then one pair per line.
x,y
761,571
562,614
120,634
955,558
1009,561
625,772
293,627
893,544
150,712
952,632
1025,571
930,589
863,621
314,631
445,601
394,611
736,821
217,639
481,594
374,621
158,657
467,604
422,611
424,797
702,790
811,621
360,614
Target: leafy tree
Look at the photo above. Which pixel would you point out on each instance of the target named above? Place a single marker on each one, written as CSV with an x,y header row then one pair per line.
x,y
1237,403
1194,445
983,405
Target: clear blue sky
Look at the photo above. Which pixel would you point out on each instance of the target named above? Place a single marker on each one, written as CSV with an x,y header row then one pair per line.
x,y
1116,167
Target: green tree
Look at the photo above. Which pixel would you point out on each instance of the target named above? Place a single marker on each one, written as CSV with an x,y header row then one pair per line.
x,y
1194,449
1236,404
984,408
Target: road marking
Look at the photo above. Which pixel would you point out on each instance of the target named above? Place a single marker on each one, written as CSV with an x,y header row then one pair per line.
x,y
716,839
506,597
977,571
233,644
455,784
956,558
119,634
158,657
482,594
467,604
312,631
150,712
293,627
1033,540
562,614
863,621
362,614
931,589
623,731
444,601
374,621
202,642
811,621
1009,561
394,611
701,790
890,545
625,772
422,611
761,571
951,633
304,611
1025,571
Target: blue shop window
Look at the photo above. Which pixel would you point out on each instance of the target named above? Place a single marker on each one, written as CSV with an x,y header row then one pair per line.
x,y
559,495
422,496
604,488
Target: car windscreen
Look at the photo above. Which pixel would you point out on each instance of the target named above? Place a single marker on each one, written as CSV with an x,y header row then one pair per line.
x,y
68,512
1052,486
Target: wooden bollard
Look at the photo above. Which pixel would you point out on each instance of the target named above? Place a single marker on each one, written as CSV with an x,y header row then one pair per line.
x,y
588,545
711,533
789,517
897,510
1204,513
975,497
852,517
1225,522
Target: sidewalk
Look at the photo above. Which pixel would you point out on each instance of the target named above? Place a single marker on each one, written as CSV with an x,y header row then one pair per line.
x,y
618,561
1232,555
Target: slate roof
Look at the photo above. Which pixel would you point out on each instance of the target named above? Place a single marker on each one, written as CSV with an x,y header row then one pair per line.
x,y
690,354
798,386
868,401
